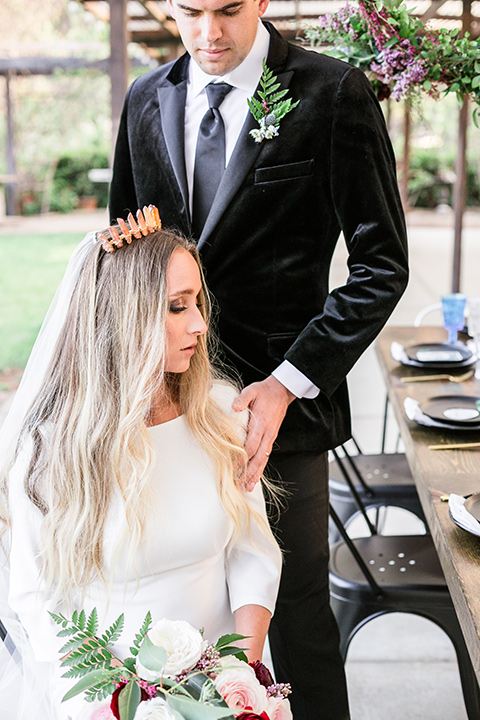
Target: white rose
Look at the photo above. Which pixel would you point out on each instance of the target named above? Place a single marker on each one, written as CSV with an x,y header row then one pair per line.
x,y
182,642
239,687
155,709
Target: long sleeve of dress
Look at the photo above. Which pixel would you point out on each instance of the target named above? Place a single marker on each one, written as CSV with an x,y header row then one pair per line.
x,y
254,561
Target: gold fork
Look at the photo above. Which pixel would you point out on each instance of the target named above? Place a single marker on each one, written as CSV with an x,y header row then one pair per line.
x,y
451,378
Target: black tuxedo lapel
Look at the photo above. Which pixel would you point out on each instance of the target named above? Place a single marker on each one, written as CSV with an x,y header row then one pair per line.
x,y
172,96
246,150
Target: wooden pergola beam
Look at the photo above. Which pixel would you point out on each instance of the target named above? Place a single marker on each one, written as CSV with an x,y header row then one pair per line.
x,y
459,188
433,9
119,63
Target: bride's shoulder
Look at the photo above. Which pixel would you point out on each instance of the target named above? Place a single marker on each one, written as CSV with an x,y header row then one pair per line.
x,y
224,393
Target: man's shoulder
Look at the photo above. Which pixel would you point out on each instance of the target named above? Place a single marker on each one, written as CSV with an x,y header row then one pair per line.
x,y
309,60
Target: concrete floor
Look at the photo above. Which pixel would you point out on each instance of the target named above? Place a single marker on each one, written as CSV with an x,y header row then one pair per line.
x,y
399,667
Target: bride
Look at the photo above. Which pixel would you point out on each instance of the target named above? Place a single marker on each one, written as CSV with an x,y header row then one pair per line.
x,y
125,489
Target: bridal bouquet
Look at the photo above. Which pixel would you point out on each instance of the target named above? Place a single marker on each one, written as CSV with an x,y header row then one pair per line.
x,y
172,674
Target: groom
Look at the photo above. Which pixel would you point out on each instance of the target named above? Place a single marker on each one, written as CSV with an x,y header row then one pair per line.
x,y
267,244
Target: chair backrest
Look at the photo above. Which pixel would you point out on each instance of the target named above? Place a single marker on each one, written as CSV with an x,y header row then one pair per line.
x,y
426,311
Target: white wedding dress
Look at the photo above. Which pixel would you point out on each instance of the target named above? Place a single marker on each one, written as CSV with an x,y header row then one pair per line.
x,y
184,569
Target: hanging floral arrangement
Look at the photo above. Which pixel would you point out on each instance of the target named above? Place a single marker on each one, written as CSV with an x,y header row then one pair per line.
x,y
401,54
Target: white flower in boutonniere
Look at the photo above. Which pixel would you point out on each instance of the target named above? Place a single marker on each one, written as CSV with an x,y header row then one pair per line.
x,y
271,108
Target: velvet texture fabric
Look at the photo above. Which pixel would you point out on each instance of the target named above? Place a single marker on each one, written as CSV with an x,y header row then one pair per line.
x,y
271,233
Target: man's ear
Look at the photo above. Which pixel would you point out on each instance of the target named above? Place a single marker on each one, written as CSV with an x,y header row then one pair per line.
x,y
262,7
170,8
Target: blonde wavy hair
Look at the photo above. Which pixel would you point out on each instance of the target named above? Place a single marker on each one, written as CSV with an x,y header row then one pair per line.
x,y
88,424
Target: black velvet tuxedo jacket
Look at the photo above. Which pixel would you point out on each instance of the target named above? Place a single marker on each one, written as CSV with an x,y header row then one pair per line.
x,y
268,241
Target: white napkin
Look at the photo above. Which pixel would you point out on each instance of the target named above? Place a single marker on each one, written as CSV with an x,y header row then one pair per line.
x,y
456,505
398,353
413,412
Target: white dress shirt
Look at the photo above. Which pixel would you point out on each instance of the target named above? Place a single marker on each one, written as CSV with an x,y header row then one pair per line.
x,y
244,80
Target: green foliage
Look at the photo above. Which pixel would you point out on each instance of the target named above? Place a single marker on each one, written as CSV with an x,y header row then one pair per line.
x,y
225,647
147,623
71,182
401,55
88,657
430,180
272,98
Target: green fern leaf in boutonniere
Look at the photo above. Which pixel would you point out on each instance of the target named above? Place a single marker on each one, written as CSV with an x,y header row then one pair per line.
x,y
271,108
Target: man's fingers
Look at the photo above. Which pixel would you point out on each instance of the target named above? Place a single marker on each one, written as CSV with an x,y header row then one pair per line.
x,y
243,400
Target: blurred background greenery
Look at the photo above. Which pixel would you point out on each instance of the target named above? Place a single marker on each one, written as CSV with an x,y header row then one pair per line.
x,y
31,267
62,129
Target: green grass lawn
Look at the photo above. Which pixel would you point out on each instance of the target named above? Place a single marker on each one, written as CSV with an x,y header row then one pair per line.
x,y
31,268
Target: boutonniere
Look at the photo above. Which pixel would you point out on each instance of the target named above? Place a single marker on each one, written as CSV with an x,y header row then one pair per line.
x,y
272,108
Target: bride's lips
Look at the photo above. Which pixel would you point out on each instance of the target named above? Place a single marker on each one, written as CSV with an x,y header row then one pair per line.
x,y
190,349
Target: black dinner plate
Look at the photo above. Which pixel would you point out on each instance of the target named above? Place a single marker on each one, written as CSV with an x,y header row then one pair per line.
x,y
472,504
439,355
461,410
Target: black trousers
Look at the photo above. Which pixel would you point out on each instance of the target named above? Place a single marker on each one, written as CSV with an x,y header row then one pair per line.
x,y
304,637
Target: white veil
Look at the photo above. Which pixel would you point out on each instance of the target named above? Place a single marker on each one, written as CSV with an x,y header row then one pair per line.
x,y
23,681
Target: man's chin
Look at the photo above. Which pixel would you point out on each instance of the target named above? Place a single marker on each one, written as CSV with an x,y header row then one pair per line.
x,y
212,65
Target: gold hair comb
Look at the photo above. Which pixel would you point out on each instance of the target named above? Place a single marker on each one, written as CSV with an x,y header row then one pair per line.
x,y
147,222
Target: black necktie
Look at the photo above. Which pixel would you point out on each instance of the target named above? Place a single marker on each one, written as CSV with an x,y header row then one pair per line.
x,y
209,156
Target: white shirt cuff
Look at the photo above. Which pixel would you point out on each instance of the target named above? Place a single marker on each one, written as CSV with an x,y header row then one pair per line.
x,y
295,381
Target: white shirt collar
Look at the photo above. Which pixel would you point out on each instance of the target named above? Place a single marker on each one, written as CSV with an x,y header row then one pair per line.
x,y
246,76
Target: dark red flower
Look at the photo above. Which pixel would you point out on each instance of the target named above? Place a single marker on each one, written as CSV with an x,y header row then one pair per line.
x,y
252,716
263,674
114,702
383,92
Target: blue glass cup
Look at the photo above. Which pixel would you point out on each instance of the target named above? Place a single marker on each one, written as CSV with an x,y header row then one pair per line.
x,y
453,307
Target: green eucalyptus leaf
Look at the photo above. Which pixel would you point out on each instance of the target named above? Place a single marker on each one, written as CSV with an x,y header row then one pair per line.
x,y
229,639
128,700
151,656
237,652
192,710
89,680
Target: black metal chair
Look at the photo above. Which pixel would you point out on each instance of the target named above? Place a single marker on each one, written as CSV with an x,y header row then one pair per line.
x,y
373,481
380,574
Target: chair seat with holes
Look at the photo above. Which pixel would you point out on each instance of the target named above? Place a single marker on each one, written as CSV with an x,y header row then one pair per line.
x,y
397,563
406,577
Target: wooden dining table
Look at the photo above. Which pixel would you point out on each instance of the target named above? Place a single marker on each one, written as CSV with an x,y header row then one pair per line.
x,y
437,473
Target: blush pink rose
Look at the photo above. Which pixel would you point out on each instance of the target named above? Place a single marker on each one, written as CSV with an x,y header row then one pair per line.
x,y
279,709
103,713
98,710
238,685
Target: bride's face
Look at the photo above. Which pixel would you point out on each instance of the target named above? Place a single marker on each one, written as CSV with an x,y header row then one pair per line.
x,y
184,319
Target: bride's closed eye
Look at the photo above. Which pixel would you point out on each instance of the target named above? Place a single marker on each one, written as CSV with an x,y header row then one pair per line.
x,y
177,307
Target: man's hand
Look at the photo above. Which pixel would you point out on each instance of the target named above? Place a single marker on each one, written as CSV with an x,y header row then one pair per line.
x,y
268,401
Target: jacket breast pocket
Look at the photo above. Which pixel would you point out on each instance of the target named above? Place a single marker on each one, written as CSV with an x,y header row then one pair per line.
x,y
279,173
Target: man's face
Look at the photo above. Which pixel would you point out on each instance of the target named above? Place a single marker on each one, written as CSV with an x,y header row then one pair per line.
x,y
218,34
